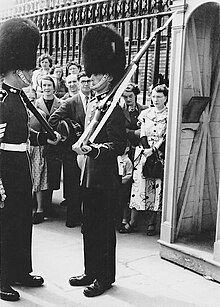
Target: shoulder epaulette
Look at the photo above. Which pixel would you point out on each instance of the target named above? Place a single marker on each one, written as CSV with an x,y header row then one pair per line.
x,y
3,95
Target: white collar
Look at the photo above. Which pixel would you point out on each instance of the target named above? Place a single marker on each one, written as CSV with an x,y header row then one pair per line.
x,y
151,113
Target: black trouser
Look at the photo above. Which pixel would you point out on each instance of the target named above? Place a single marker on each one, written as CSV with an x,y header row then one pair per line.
x,y
99,234
15,236
71,178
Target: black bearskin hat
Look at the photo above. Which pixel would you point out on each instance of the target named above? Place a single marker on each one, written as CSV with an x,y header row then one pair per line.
x,y
19,38
104,52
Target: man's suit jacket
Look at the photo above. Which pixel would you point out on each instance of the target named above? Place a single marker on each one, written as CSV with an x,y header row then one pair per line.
x,y
72,109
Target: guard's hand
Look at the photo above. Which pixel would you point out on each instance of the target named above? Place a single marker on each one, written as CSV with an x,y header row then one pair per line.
x,y
2,129
81,150
2,193
59,137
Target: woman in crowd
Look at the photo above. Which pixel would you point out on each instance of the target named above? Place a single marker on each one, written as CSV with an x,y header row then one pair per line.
x,y
131,109
126,172
73,68
48,103
60,85
45,63
38,164
146,193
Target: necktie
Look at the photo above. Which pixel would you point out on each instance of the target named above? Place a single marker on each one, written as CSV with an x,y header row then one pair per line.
x,y
86,101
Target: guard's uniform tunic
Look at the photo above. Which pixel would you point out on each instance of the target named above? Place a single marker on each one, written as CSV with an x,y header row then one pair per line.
x,y
16,215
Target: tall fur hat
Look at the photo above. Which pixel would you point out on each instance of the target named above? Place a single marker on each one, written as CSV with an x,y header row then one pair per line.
x,y
104,52
19,38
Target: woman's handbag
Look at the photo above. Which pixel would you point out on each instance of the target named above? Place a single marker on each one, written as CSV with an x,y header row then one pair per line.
x,y
153,167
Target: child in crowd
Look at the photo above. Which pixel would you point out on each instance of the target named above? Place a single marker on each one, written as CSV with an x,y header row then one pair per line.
x,y
126,170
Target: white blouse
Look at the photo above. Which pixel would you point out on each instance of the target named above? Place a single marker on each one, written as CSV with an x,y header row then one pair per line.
x,y
153,124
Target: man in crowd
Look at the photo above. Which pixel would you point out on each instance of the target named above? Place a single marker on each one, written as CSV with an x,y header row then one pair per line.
x,y
85,93
104,60
72,86
72,111
19,38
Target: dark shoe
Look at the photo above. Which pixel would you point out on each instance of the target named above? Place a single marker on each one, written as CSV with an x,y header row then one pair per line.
x,y
96,288
30,281
9,294
72,224
127,228
81,280
51,212
151,230
122,228
38,217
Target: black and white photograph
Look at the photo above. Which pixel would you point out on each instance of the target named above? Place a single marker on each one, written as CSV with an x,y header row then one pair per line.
x,y
110,153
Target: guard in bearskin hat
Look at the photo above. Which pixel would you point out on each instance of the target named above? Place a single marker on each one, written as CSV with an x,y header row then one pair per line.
x,y
104,60
19,38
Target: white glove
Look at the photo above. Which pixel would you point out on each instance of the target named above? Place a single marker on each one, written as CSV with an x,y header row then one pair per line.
x,y
2,129
59,137
81,150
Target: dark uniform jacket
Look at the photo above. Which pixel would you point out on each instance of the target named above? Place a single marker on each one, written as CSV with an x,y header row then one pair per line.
x,y
101,168
15,166
16,215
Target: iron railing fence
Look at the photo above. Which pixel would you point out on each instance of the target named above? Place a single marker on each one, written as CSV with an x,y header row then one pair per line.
x,y
63,23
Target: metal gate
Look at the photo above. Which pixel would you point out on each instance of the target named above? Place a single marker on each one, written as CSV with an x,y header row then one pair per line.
x,y
63,24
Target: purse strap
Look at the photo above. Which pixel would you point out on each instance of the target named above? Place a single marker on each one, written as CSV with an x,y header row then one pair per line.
x,y
138,158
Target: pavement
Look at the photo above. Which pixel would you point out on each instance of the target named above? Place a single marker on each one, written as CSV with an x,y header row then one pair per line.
x,y
143,278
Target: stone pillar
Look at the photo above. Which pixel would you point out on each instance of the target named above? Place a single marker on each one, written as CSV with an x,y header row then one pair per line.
x,y
216,255
168,222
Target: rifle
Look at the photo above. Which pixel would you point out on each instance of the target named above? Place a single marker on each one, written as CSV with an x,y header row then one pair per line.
x,y
39,117
95,125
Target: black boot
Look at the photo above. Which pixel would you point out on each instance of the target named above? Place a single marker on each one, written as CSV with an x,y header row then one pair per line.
x,y
7,293
30,281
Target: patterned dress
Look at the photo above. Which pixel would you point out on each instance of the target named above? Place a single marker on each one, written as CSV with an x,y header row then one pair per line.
x,y
38,161
146,194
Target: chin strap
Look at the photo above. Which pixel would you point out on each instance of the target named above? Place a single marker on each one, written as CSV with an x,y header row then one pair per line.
x,y
21,75
105,78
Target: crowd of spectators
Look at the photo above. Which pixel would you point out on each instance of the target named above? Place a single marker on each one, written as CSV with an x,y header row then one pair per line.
x,y
63,102
121,167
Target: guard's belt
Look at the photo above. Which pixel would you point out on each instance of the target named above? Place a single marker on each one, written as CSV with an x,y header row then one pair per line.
x,y
15,147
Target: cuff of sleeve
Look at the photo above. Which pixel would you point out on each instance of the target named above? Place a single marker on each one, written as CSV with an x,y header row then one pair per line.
x,y
94,153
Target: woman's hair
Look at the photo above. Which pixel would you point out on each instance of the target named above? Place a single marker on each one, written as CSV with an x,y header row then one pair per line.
x,y
81,74
161,88
73,63
48,78
132,87
43,57
57,66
